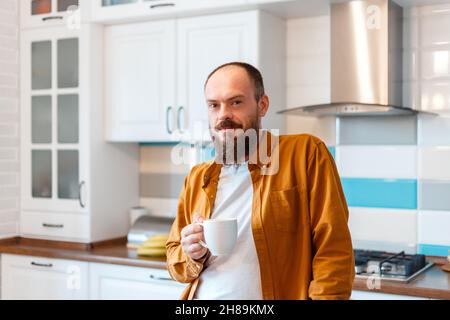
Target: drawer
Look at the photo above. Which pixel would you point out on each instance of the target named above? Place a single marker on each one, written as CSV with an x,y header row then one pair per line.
x,y
26,277
111,282
60,226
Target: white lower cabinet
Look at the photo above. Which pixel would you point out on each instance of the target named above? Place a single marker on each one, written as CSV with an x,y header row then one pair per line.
x,y
131,283
36,278
367,295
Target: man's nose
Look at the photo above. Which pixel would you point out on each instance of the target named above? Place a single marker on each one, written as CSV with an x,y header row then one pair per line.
x,y
225,112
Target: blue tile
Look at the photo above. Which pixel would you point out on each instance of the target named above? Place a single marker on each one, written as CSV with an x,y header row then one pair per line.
x,y
380,193
433,250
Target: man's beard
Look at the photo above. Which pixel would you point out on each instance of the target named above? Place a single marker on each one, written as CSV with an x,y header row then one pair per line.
x,y
234,146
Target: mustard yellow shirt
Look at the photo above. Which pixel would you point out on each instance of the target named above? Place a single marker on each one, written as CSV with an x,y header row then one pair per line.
x,y
299,223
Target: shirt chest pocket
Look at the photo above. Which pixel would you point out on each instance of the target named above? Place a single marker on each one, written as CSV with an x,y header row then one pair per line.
x,y
285,209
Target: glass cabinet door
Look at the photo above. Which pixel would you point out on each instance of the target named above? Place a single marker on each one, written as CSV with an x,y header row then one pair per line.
x,y
41,119
41,65
68,174
55,121
39,7
67,63
68,160
68,118
64,5
41,173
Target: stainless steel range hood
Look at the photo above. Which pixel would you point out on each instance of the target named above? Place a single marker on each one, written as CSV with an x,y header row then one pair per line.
x,y
366,61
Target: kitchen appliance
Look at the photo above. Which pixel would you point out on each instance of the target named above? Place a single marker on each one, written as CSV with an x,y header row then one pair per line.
x,y
145,227
366,61
389,266
136,212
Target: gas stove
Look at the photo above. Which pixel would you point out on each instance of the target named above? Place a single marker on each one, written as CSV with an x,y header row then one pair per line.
x,y
389,266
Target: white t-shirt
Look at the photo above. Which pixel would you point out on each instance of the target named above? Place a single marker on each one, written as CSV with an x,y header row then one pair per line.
x,y
235,276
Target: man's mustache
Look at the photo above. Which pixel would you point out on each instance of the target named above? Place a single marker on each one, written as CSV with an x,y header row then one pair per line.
x,y
227,124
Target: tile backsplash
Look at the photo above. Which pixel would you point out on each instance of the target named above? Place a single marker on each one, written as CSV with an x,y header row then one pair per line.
x,y
9,118
395,170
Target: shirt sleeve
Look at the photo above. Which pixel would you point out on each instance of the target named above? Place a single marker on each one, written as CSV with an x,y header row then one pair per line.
x,y
333,262
181,267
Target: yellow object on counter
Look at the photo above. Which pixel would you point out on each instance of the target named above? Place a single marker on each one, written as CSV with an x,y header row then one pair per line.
x,y
154,246
151,252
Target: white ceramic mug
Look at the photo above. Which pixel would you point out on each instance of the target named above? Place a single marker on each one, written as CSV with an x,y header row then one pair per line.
x,y
220,235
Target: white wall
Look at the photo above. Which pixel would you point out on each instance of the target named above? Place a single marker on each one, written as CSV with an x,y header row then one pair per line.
x,y
9,118
308,74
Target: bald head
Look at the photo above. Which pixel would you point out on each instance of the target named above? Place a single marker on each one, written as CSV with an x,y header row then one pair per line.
x,y
244,70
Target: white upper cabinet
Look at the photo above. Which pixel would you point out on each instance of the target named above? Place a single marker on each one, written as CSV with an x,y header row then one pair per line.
x,y
46,13
151,100
203,44
110,11
140,95
71,190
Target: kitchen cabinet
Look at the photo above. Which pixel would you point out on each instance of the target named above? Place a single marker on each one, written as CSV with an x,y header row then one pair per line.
x,y
47,13
140,96
132,283
112,11
70,187
158,96
55,176
366,295
35,278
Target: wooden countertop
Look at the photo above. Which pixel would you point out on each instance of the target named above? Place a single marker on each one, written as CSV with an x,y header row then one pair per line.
x,y
112,252
433,283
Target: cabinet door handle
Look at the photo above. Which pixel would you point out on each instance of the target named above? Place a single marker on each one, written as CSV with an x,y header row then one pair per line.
x,y
80,189
153,277
180,110
50,225
154,6
52,18
45,265
168,111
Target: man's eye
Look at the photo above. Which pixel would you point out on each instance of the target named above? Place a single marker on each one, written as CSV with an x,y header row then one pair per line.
x,y
212,105
235,103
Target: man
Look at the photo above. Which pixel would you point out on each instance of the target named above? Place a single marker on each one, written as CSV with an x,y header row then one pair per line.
x,y
293,239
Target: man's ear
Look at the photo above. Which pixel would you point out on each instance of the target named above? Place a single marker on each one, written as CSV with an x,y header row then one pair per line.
x,y
263,105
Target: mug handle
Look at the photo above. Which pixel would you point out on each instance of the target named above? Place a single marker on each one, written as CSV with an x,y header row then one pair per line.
x,y
201,242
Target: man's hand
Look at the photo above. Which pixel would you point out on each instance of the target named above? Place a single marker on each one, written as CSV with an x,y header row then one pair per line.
x,y
190,237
